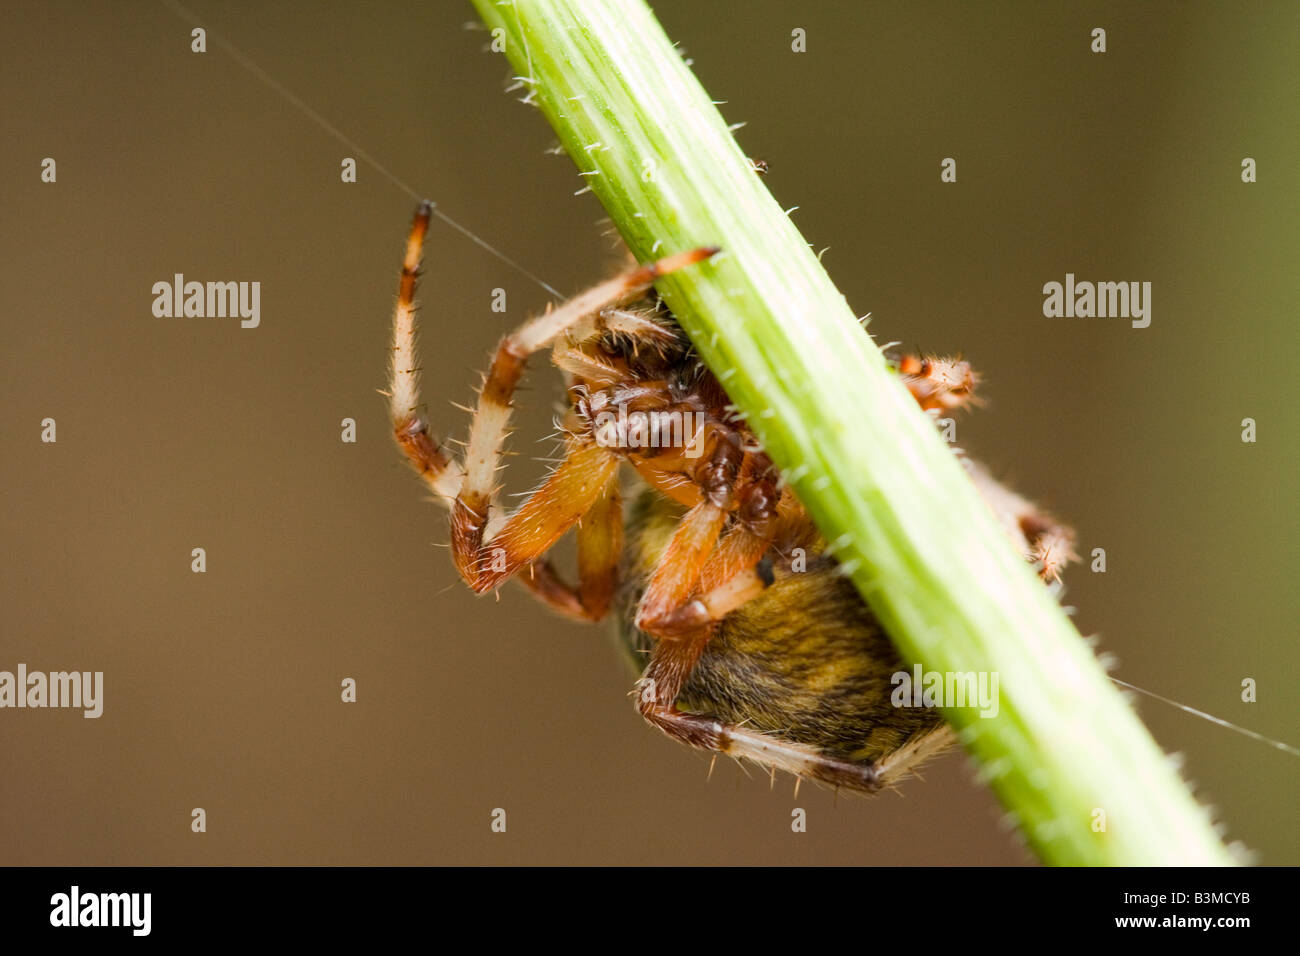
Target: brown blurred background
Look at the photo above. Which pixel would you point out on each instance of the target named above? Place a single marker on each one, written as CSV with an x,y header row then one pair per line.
x,y
222,689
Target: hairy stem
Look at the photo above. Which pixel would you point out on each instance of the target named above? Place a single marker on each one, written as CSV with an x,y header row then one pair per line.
x,y
1065,752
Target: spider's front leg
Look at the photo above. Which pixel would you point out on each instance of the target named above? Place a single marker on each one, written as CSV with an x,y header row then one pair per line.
x,y
439,471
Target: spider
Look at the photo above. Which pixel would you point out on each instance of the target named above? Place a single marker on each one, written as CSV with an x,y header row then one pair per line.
x,y
757,647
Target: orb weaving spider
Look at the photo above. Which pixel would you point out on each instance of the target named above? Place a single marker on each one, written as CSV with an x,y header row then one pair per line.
x,y
757,646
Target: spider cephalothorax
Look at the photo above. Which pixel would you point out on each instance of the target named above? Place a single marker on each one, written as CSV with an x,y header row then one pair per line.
x,y
750,640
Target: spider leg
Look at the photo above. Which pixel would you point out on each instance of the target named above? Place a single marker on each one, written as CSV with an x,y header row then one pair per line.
x,y
693,584
545,584
677,575
641,327
937,383
671,663
600,549
568,493
596,371
439,471
1045,542
727,580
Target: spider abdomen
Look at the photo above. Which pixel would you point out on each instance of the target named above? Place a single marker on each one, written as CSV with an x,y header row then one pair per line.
x,y
804,662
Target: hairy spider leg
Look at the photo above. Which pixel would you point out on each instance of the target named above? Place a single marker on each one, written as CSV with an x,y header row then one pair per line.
x,y
438,470
938,383
1044,541
600,551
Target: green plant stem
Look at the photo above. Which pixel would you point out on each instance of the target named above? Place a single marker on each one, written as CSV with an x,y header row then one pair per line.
x,y
904,519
